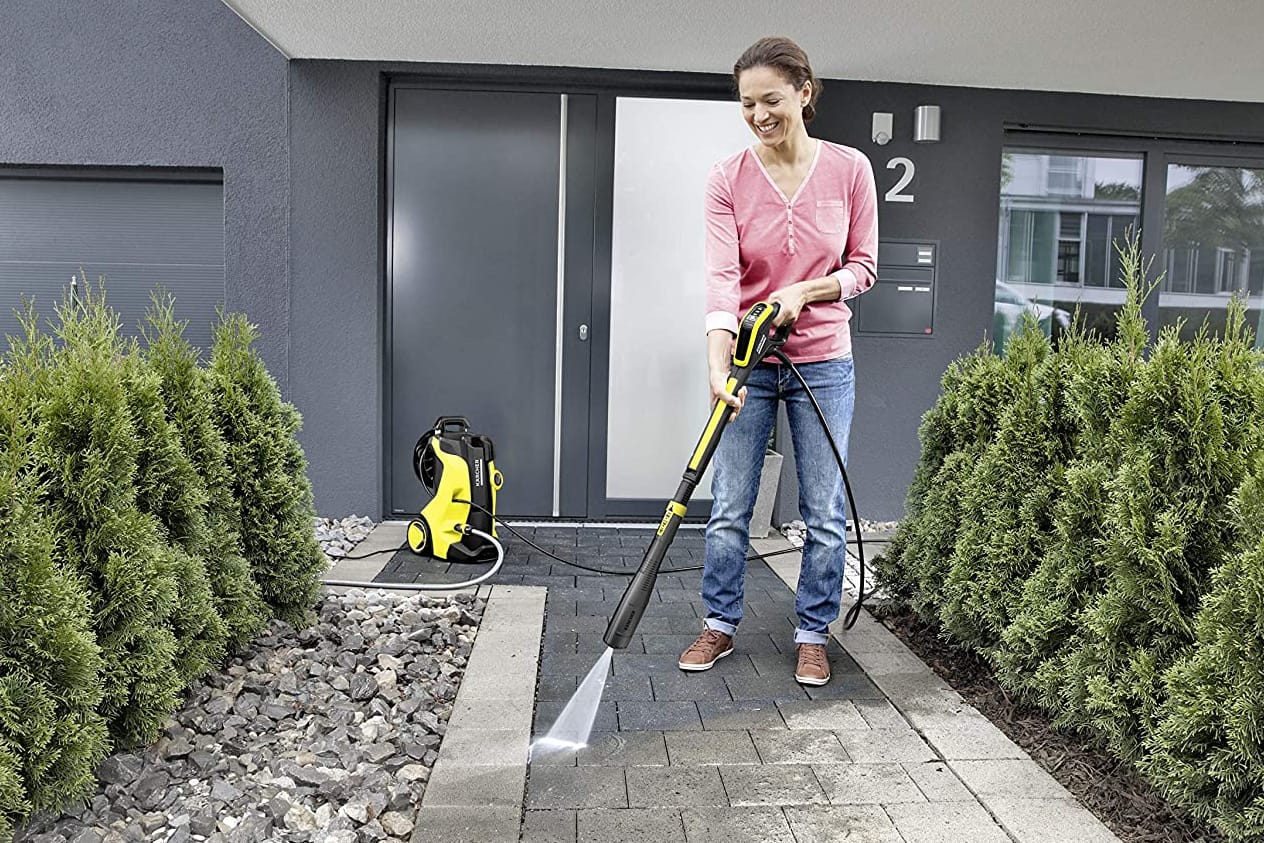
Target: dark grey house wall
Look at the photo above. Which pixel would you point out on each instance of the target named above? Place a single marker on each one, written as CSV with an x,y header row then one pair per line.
x,y
155,84
957,191
336,348
301,151
337,121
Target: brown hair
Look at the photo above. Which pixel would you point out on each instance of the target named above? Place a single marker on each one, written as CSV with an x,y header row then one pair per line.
x,y
788,59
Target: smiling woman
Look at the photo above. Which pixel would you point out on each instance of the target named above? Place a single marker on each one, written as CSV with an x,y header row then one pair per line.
x,y
791,220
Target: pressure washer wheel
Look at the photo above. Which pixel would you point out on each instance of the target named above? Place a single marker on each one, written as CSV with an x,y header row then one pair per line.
x,y
419,536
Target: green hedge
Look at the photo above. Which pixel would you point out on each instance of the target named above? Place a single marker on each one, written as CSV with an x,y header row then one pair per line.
x,y
125,571
1089,519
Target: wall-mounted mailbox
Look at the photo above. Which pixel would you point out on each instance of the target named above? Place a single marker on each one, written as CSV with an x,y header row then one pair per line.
x,y
903,299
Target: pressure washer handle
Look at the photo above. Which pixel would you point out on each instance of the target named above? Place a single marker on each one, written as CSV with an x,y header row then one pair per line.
x,y
754,343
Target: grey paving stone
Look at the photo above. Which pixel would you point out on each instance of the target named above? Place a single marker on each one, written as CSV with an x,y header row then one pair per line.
x,y
699,748
474,712
488,686
846,686
799,746
772,784
936,822
624,749
547,712
674,787
765,688
628,688
553,688
760,643
659,716
556,606
471,824
783,664
1050,821
472,747
672,644
813,714
548,827
746,714
559,642
880,714
460,786
1008,779
646,664
657,609
566,664
708,685
885,746
594,642
830,823
577,787
938,782
574,623
660,625
965,735
736,825
631,825
596,608
543,754
867,784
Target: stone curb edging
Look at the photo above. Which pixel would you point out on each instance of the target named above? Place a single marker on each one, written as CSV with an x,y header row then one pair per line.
x,y
1030,805
477,788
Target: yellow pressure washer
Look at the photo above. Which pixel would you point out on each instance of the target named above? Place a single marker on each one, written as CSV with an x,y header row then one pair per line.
x,y
457,468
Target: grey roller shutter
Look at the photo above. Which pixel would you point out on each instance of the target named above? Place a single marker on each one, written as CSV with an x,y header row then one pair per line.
x,y
136,234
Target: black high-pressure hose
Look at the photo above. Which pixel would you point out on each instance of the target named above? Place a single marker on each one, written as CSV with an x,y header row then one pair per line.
x,y
849,620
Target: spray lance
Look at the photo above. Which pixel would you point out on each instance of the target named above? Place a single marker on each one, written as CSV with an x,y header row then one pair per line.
x,y
755,341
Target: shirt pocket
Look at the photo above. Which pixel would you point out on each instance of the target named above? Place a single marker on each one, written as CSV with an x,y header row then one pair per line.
x,y
831,216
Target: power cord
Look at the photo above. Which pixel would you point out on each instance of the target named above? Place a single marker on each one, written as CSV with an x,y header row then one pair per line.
x,y
453,586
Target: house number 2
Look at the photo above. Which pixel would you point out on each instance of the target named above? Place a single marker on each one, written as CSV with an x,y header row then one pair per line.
x,y
895,194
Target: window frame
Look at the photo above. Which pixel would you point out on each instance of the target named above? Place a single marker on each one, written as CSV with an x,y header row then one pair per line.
x,y
1156,154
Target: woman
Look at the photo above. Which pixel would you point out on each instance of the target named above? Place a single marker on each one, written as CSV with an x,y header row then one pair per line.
x,y
791,220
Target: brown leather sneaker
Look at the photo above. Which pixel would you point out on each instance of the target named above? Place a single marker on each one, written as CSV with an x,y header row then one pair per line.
x,y
813,667
702,654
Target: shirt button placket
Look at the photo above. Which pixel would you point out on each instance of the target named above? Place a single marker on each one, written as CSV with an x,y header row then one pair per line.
x,y
790,226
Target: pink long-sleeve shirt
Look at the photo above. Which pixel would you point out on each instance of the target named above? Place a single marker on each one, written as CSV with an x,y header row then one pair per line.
x,y
759,241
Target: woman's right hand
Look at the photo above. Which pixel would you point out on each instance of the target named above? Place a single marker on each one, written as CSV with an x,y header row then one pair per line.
x,y
719,356
719,380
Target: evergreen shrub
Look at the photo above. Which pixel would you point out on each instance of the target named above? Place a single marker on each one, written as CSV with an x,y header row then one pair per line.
x,y
1090,519
268,473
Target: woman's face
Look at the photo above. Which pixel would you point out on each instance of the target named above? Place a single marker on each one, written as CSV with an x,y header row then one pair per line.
x,y
771,105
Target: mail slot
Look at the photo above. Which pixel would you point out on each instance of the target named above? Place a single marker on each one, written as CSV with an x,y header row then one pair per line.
x,y
902,301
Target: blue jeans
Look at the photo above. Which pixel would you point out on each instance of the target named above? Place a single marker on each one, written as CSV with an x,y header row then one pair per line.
x,y
738,462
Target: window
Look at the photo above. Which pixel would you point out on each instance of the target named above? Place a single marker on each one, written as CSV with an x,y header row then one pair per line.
x,y
1213,234
1062,217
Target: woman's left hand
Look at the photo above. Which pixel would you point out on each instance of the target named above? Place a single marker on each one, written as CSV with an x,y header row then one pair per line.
x,y
792,300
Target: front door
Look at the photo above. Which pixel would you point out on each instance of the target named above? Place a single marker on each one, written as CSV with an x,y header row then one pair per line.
x,y
478,310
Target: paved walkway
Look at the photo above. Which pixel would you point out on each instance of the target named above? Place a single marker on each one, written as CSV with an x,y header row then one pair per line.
x,y
884,752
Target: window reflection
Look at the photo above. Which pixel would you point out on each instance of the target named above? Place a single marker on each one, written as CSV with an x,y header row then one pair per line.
x,y
1061,219
1213,235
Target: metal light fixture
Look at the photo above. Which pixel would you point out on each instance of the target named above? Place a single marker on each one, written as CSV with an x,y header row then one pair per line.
x,y
881,133
926,124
